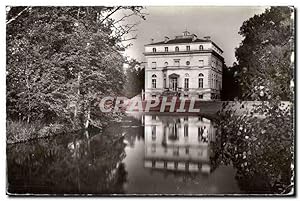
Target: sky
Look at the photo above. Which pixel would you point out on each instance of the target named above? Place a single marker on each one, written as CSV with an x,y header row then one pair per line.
x,y
222,24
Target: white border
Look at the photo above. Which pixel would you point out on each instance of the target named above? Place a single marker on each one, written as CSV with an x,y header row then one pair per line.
x,y
107,3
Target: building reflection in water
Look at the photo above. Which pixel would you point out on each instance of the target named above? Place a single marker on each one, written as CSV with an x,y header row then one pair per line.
x,y
178,144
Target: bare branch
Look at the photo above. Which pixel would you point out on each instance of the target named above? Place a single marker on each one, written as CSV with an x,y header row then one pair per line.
x,y
128,39
118,8
123,18
20,13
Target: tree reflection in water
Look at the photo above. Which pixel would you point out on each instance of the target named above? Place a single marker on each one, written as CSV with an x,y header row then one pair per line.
x,y
260,148
171,147
68,164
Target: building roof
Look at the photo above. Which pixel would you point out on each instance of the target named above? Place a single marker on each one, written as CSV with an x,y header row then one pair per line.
x,y
184,40
179,40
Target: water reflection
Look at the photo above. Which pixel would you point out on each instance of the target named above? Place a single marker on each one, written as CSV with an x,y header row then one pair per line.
x,y
179,143
68,164
141,154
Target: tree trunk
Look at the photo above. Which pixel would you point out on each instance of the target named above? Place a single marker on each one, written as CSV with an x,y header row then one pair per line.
x,y
88,116
78,98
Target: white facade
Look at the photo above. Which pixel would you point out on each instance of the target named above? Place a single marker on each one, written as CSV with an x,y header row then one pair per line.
x,y
178,145
186,65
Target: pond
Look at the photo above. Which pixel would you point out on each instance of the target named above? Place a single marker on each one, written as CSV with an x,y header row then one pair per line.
x,y
142,154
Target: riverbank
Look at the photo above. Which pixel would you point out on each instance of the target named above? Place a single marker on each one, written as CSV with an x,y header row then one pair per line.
x,y
18,131
209,108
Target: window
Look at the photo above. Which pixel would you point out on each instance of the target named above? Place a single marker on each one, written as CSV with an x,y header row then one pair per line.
x,y
201,80
199,133
176,62
153,148
153,65
176,165
166,49
187,151
176,151
187,63
200,83
166,64
200,96
176,49
165,83
187,166
188,48
186,131
201,47
153,133
186,84
153,49
153,164
154,81
201,62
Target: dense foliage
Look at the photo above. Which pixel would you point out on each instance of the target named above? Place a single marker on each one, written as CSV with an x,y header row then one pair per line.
x,y
264,57
260,147
260,142
61,59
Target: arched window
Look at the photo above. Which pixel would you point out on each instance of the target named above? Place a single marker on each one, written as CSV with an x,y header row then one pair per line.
x,y
201,47
186,82
166,64
153,49
200,79
176,49
154,81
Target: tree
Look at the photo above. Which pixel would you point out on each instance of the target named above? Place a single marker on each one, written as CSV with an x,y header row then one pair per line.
x,y
230,87
260,141
135,79
264,56
61,59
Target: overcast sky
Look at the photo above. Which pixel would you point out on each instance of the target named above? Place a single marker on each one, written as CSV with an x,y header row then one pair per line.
x,y
221,23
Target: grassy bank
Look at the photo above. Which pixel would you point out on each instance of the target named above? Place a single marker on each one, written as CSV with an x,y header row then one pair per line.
x,y
19,131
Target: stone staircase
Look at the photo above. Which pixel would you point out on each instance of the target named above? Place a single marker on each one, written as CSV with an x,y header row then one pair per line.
x,y
171,93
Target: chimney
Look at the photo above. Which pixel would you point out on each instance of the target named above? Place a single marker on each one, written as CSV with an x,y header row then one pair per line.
x,y
194,37
166,39
152,40
185,33
207,37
